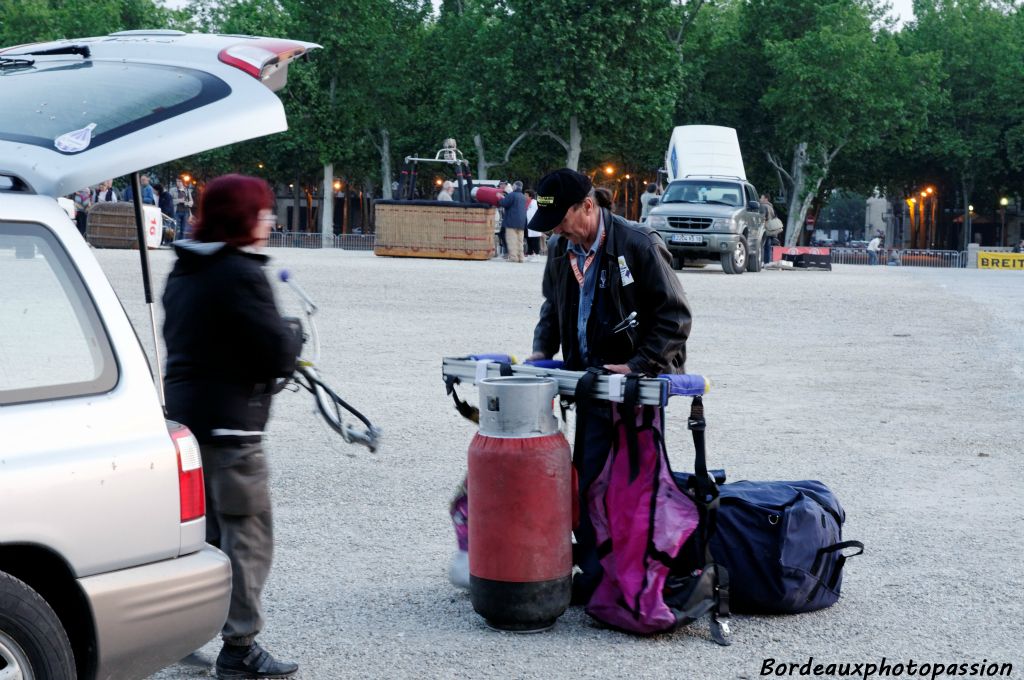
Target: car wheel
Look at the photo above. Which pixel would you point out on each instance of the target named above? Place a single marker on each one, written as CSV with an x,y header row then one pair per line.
x,y
33,644
735,262
755,261
677,262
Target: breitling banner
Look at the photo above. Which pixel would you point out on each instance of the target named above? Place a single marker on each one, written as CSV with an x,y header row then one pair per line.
x,y
1009,261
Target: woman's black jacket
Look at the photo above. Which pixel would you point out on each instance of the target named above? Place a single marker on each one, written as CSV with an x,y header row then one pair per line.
x,y
226,342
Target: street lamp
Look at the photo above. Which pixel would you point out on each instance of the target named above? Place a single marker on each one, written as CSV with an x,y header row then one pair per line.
x,y
609,170
1003,202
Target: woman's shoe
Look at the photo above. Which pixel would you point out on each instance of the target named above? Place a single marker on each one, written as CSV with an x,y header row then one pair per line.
x,y
236,662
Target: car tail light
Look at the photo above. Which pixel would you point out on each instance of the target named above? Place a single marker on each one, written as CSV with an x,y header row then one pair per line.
x,y
263,59
191,494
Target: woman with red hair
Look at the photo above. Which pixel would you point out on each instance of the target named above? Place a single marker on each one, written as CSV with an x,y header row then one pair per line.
x,y
227,346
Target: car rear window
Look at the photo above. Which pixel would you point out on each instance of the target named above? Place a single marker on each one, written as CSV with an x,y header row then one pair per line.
x,y
52,342
59,98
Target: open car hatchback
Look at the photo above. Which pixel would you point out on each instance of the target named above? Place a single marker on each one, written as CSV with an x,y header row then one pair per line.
x,y
104,569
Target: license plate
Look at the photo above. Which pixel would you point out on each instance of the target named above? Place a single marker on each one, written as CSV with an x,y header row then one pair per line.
x,y
687,238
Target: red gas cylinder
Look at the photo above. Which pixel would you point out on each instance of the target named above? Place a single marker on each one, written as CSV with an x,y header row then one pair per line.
x,y
488,195
520,507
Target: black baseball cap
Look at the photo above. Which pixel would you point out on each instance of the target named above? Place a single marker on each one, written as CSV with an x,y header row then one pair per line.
x,y
556,193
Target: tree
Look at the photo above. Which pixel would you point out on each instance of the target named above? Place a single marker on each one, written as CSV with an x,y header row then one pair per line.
x,y
601,68
976,133
25,21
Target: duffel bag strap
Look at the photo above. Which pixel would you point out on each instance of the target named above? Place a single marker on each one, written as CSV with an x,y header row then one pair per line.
x,y
696,424
841,558
843,545
627,411
720,631
837,568
583,396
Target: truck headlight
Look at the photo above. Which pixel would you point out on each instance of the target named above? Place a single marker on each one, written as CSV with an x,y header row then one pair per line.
x,y
657,222
722,223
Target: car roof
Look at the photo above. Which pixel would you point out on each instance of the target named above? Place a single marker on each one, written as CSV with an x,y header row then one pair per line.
x,y
77,112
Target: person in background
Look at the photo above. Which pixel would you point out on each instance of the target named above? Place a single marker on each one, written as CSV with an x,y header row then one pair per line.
x,y
514,221
602,270
532,237
166,205
447,189
105,192
183,199
164,200
645,200
147,191
772,228
873,247
83,201
227,349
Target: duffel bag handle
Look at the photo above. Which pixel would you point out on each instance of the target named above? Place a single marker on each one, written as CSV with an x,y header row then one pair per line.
x,y
840,560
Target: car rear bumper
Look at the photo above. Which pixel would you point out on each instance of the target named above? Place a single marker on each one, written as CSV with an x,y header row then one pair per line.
x,y
150,616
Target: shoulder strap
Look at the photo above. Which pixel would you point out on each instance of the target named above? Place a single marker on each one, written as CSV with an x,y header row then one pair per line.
x,y
584,395
696,424
627,412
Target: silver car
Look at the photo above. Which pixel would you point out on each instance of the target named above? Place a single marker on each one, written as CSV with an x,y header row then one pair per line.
x,y
104,572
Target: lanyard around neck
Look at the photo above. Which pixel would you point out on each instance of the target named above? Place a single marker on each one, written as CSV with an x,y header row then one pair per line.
x,y
586,263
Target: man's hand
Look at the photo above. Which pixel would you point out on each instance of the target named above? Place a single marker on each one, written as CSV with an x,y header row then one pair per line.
x,y
618,368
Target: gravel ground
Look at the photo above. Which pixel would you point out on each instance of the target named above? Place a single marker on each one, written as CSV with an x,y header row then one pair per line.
x,y
897,387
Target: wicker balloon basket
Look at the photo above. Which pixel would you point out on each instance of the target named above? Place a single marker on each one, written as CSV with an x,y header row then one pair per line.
x,y
434,229
112,225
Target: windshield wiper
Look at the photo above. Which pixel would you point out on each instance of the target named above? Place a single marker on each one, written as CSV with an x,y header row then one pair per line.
x,y
69,49
720,203
14,63
677,200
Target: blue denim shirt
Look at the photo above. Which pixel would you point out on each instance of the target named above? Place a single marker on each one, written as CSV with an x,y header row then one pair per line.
x,y
589,284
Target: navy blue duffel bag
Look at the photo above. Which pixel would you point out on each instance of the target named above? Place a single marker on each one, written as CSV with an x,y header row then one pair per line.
x,y
781,543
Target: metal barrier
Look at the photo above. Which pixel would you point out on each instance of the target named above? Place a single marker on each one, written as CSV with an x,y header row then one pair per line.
x,y
287,239
904,258
354,241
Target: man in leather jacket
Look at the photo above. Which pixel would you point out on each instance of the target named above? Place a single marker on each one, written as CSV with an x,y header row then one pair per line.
x,y
611,301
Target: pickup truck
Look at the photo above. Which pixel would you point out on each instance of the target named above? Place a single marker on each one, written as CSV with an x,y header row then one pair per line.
x,y
709,211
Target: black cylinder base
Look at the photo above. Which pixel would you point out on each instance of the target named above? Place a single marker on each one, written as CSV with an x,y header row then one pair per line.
x,y
520,607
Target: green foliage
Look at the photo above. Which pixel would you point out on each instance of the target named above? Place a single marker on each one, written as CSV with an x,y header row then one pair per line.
x,y
23,21
936,102
844,211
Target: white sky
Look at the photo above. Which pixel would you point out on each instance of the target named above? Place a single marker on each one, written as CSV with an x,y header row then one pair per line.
x,y
903,10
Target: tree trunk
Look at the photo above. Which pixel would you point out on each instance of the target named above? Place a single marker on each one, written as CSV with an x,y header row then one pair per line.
x,y
309,210
385,162
965,187
800,191
481,159
327,205
368,205
575,142
296,203
482,165
345,229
